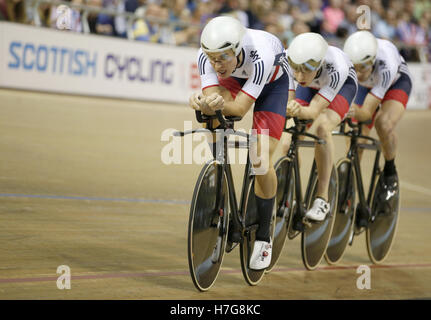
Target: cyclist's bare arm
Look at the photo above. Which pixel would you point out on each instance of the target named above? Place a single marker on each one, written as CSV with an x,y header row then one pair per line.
x,y
317,105
368,108
237,107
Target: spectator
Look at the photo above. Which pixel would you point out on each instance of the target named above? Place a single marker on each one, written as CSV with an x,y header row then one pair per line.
x,y
92,17
377,12
179,13
3,10
348,26
409,31
16,11
285,19
421,7
105,24
147,28
387,27
259,8
235,9
271,23
298,27
314,17
120,22
333,16
131,5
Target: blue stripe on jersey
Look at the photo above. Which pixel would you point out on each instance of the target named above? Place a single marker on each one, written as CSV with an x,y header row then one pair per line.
x,y
335,79
259,71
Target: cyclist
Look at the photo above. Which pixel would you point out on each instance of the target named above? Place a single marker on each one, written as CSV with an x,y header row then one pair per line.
x,y
240,67
327,85
384,89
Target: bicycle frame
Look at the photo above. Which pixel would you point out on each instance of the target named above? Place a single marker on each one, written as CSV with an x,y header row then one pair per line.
x,y
297,131
222,134
355,134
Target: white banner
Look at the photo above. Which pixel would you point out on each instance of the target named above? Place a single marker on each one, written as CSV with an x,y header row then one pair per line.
x,y
60,61
420,97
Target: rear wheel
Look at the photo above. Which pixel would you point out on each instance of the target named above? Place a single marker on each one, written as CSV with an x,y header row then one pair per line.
x,y
383,223
315,238
208,226
345,216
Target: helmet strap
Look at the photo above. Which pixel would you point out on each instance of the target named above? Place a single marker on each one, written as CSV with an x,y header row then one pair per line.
x,y
240,59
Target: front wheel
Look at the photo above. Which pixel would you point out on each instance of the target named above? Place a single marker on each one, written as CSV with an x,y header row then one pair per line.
x,y
283,206
208,225
251,219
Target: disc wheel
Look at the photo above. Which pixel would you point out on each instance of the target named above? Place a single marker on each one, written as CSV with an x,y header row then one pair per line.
x,y
283,207
315,238
208,226
383,223
345,215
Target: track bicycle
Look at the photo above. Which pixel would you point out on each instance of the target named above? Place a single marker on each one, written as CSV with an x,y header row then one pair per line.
x,y
375,215
217,221
291,205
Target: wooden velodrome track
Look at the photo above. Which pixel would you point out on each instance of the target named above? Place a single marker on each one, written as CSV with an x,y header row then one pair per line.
x,y
82,184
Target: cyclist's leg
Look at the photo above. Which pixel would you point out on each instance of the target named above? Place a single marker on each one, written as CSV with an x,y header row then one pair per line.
x,y
392,110
359,101
268,121
326,123
323,126
390,114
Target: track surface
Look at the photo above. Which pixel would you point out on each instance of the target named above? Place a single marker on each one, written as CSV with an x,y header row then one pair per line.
x,y
82,184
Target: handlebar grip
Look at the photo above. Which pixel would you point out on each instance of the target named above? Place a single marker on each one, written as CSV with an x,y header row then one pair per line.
x,y
220,118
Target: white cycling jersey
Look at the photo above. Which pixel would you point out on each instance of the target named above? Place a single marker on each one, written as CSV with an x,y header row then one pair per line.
x,y
262,64
387,67
333,74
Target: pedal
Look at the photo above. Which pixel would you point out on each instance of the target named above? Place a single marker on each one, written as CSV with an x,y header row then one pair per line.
x,y
233,239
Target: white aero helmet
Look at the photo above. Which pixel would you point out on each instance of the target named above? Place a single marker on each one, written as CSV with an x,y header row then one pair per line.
x,y
361,47
222,33
307,51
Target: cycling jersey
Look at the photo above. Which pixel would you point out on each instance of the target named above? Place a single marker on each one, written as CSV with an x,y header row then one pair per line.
x,y
263,75
335,81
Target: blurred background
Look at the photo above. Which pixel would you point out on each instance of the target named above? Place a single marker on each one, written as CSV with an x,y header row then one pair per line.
x,y
83,113
179,22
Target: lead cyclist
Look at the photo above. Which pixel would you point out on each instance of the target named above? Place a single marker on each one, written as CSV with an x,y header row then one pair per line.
x,y
241,67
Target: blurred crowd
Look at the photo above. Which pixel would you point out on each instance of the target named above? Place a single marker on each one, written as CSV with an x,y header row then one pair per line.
x,y
178,22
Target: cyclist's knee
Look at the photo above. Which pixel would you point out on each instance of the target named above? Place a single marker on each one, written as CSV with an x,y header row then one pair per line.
x,y
384,126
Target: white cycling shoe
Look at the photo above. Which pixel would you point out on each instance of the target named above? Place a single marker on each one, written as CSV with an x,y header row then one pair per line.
x,y
261,256
319,210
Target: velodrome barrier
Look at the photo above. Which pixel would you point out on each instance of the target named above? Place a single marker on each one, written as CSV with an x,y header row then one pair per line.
x,y
49,60
59,61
